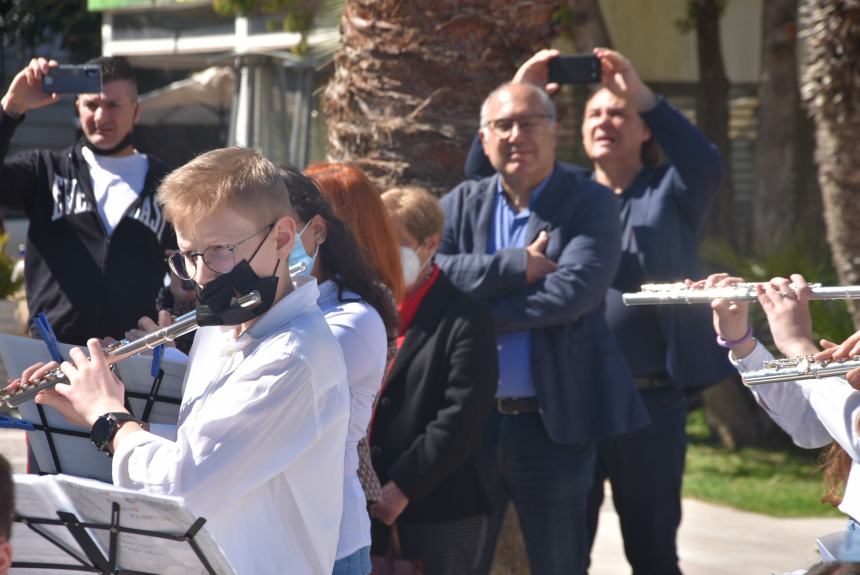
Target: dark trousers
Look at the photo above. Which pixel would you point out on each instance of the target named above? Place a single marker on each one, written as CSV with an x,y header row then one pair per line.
x,y
548,484
444,547
645,469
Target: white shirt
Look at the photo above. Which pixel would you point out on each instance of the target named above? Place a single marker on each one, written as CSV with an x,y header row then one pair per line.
x,y
117,182
259,445
361,333
814,413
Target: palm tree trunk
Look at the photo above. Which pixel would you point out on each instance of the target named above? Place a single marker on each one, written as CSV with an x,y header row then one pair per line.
x,y
587,25
410,78
830,84
712,112
775,204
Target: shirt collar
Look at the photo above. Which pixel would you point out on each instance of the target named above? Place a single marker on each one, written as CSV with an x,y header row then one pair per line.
x,y
330,294
536,192
301,299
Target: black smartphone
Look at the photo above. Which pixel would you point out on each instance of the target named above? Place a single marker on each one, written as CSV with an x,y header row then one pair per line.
x,y
576,69
85,79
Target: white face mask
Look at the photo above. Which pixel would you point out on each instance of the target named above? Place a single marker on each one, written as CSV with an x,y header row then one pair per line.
x,y
412,266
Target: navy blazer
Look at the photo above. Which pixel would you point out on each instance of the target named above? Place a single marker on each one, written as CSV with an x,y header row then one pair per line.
x,y
668,206
583,385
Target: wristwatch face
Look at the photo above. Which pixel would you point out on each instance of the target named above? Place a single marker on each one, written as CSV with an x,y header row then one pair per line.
x,y
102,432
105,428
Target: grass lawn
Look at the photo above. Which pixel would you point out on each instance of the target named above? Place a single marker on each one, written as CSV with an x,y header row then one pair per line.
x,y
779,483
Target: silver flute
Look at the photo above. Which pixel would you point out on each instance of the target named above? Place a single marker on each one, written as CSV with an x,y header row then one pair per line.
x,y
675,293
798,368
21,392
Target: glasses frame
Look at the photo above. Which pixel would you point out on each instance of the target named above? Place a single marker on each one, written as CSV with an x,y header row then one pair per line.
x,y
492,125
192,255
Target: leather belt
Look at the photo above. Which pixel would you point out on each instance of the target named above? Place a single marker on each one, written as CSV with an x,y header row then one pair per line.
x,y
652,382
516,405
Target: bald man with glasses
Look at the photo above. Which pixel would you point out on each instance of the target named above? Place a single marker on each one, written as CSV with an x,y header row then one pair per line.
x,y
540,244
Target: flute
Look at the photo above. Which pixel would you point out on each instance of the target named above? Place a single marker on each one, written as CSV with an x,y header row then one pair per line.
x,y
798,368
23,392
675,293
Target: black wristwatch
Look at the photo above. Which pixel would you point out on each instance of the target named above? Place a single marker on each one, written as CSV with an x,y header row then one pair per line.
x,y
106,427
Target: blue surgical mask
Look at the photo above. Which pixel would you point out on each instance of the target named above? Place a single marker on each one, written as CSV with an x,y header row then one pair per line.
x,y
301,264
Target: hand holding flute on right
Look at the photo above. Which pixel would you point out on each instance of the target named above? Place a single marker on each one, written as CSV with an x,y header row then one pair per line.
x,y
786,305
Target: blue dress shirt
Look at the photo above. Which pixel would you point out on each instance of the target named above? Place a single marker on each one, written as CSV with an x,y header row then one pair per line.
x,y
508,230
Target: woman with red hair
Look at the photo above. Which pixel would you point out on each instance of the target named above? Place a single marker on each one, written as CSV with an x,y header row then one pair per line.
x,y
354,203
355,200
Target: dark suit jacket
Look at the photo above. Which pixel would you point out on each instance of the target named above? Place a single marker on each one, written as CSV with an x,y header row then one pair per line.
x,y
431,413
667,209
668,205
583,385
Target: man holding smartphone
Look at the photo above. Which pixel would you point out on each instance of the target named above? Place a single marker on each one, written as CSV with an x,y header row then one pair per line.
x,y
96,241
669,349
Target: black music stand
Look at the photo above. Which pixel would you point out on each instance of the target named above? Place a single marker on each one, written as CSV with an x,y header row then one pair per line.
x,y
93,559
149,399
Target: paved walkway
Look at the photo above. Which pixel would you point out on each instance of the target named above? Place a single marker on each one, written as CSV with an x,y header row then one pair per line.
x,y
717,540
714,540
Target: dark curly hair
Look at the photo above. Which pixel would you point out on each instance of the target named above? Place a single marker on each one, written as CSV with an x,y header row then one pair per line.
x,y
340,257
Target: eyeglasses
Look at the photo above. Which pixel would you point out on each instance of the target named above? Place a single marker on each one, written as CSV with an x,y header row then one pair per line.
x,y
219,258
528,124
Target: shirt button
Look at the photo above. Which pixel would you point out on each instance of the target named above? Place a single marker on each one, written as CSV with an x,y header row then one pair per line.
x,y
376,451
385,402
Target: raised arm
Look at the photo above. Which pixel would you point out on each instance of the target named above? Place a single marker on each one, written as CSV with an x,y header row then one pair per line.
x,y
697,162
25,92
20,173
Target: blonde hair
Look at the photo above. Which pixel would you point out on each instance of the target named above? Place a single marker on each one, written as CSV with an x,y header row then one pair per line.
x,y
416,209
234,178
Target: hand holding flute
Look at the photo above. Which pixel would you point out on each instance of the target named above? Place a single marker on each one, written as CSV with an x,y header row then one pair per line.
x,y
103,392
848,350
786,304
731,318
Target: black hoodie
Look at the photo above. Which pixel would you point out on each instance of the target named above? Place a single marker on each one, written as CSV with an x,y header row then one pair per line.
x,y
87,283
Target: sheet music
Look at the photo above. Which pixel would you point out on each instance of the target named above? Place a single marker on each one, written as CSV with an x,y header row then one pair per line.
x,y
31,501
76,454
91,502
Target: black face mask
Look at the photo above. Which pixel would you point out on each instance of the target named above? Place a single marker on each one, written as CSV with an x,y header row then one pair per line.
x,y
217,303
123,144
